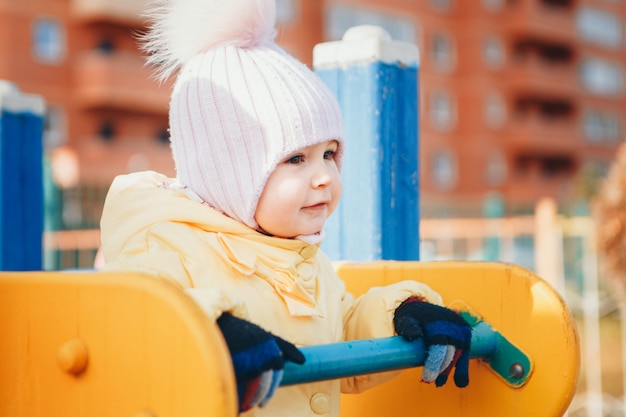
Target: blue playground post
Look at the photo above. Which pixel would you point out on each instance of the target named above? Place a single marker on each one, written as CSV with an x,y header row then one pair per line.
x,y
375,80
21,179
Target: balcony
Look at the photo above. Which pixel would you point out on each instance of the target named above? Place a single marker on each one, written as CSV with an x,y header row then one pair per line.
x,y
524,188
100,162
534,74
536,19
118,81
542,135
125,11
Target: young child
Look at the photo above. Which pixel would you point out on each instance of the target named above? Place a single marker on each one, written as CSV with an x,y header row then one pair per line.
x,y
257,140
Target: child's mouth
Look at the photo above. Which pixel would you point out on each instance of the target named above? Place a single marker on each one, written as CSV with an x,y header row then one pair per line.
x,y
318,206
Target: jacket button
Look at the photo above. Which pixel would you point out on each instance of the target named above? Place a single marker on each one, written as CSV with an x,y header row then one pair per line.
x,y
308,251
320,403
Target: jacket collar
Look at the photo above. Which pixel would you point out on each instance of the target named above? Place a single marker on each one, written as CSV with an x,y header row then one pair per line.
x,y
142,199
289,266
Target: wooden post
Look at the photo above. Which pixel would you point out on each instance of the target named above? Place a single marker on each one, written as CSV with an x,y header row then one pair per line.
x,y
549,262
376,82
21,179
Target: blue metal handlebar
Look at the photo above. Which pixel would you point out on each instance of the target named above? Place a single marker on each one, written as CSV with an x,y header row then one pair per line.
x,y
359,357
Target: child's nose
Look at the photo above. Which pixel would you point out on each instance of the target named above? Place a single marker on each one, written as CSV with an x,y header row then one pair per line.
x,y
322,176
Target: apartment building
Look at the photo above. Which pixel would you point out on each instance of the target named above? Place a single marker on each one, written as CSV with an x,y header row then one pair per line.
x,y
518,98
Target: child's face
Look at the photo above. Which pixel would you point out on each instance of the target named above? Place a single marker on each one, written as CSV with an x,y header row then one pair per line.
x,y
301,193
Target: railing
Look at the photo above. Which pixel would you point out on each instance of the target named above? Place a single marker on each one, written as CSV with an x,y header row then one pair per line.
x,y
71,249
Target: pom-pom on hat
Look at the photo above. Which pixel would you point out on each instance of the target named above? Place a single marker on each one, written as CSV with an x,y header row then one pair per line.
x,y
240,104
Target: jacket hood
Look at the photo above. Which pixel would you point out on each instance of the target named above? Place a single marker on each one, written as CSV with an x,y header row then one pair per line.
x,y
137,201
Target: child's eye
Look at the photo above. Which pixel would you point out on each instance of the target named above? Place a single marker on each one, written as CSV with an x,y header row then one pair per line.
x,y
296,159
330,154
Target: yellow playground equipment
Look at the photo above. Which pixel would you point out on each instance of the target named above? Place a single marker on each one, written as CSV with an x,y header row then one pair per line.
x,y
99,344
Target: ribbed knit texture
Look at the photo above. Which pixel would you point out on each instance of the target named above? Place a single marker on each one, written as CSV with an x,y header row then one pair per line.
x,y
235,113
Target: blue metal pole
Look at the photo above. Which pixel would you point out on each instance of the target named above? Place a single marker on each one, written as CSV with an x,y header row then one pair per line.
x,y
375,80
359,357
21,179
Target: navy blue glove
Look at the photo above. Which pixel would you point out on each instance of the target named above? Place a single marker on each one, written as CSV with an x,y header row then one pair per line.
x,y
446,335
258,359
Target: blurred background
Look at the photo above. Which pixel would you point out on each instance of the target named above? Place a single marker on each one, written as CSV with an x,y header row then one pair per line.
x,y
522,106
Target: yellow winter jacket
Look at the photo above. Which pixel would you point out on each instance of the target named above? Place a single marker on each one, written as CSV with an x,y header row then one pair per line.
x,y
287,287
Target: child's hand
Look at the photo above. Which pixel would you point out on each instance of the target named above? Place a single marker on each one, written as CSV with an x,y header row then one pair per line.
x,y
446,335
258,358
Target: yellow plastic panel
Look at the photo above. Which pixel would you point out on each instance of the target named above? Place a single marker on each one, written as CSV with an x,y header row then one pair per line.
x,y
518,304
95,344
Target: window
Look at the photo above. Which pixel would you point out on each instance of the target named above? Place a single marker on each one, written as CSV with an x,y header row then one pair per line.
x,y
613,128
599,27
496,170
442,51
493,52
340,18
602,127
602,77
444,169
286,11
442,5
48,40
592,126
493,5
441,110
495,109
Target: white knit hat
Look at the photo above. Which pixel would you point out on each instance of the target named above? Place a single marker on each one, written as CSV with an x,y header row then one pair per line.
x,y
241,104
